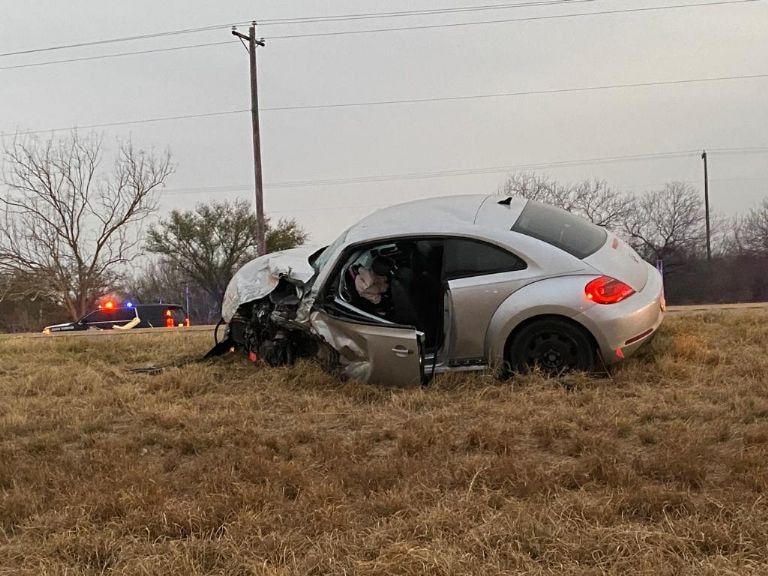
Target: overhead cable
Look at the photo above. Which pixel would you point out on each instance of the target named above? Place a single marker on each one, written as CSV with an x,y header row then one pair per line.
x,y
399,101
375,15
509,20
453,173
412,13
116,55
122,39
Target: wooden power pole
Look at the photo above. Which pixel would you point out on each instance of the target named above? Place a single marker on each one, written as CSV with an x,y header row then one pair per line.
x,y
260,223
706,203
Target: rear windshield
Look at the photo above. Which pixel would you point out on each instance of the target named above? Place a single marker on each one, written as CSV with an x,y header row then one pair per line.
x,y
557,227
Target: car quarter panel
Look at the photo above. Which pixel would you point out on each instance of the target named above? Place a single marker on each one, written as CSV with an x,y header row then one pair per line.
x,y
473,302
633,320
618,260
561,296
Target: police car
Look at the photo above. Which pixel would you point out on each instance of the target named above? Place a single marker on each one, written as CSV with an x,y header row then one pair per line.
x,y
112,315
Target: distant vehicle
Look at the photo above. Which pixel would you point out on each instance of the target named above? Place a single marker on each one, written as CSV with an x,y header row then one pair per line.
x,y
111,315
457,283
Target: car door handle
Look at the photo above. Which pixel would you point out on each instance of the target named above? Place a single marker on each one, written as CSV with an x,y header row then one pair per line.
x,y
401,351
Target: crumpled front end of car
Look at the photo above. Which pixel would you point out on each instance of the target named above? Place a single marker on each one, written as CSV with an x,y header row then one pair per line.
x,y
261,276
260,306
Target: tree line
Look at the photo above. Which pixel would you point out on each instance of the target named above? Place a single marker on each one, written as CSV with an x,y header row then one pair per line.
x,y
667,228
75,229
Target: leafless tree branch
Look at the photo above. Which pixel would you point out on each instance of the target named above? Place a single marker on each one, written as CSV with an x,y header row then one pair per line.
x,y
68,225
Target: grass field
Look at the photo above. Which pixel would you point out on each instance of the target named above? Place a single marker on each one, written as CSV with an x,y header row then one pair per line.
x,y
227,468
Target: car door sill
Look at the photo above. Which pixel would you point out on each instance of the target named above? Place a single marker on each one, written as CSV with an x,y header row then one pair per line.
x,y
468,368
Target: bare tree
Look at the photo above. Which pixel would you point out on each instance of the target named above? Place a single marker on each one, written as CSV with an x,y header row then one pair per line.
x,y
67,224
727,235
592,199
667,222
754,229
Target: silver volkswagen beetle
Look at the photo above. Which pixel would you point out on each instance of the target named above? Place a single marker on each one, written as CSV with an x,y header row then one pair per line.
x,y
457,283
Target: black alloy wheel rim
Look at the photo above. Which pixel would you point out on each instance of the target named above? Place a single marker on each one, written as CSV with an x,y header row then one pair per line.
x,y
553,352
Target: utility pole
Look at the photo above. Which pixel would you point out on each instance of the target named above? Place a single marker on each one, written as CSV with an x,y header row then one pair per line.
x,y
260,223
706,203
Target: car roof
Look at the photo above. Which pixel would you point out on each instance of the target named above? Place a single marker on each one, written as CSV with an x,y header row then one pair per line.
x,y
442,215
145,306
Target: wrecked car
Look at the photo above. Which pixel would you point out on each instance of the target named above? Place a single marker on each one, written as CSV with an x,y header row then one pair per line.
x,y
469,282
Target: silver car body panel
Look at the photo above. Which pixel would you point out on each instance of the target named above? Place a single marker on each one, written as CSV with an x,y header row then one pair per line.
x,y
612,326
625,326
616,259
388,354
259,277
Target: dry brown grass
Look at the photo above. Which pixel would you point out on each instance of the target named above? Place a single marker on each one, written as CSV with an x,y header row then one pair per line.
x,y
225,468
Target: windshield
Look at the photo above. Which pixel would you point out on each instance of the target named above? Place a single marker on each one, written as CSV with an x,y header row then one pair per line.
x,y
318,262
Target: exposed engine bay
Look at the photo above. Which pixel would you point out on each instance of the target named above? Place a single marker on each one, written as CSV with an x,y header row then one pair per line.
x,y
266,329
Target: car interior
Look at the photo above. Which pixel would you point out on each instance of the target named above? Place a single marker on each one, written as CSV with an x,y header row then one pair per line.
x,y
395,283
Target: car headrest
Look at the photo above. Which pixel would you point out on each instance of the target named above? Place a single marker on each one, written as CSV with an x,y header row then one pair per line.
x,y
382,265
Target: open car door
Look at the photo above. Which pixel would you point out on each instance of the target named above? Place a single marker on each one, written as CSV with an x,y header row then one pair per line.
x,y
373,351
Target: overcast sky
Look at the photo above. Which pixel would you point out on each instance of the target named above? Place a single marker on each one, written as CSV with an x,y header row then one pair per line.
x,y
214,154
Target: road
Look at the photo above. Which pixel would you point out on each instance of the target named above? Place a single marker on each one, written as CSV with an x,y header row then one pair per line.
x,y
714,307
210,328
102,333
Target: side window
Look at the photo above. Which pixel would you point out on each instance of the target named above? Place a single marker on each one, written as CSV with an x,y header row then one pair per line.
x,y
95,317
123,315
151,316
473,258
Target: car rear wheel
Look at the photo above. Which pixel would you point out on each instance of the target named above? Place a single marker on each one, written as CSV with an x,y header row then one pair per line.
x,y
551,345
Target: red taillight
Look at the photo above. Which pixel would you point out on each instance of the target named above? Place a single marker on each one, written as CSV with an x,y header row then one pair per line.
x,y
607,290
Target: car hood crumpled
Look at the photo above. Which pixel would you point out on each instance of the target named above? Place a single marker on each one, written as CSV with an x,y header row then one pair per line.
x,y
259,277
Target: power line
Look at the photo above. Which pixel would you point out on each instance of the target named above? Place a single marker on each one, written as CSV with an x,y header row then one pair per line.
x,y
128,122
523,93
401,101
411,13
478,171
373,15
116,55
508,20
467,172
122,39
442,173
326,209
295,20
752,150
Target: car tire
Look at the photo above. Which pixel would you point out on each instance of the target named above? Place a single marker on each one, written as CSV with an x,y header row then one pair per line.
x,y
553,346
